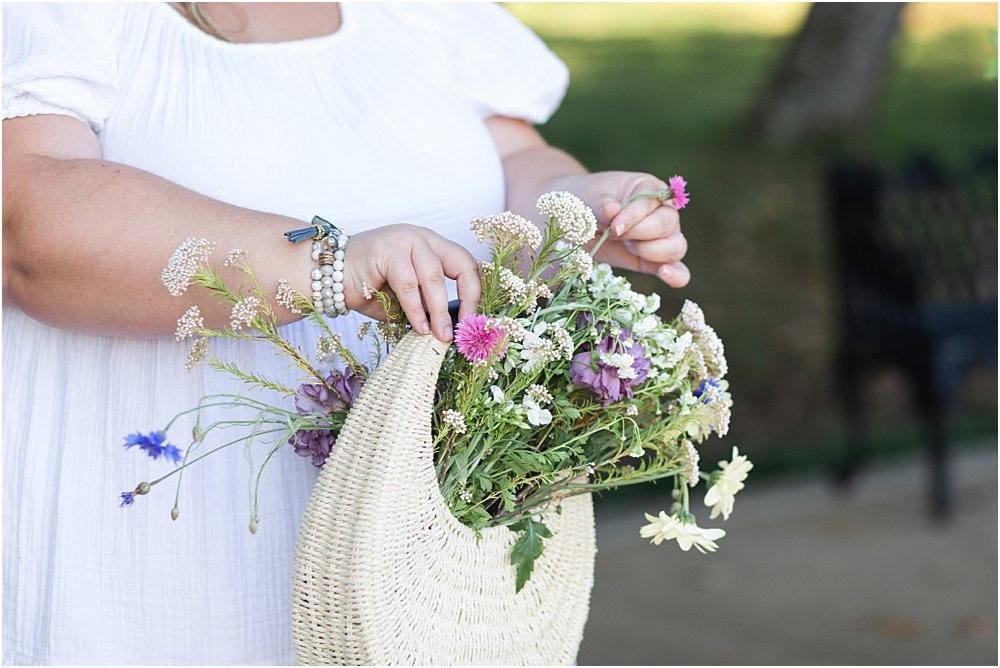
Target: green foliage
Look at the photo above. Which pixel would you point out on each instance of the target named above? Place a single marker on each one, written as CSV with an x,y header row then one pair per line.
x,y
527,548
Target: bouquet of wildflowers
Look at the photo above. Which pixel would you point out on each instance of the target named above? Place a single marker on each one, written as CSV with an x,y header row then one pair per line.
x,y
566,382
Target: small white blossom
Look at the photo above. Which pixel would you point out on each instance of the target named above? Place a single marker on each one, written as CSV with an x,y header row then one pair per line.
x,y
184,263
513,328
286,296
189,324
562,340
691,459
604,284
692,316
714,411
196,353
326,347
684,531
722,495
236,257
636,300
645,325
678,348
631,410
536,414
367,289
244,311
511,286
505,228
652,303
539,290
579,263
454,419
539,394
465,494
537,351
574,219
622,362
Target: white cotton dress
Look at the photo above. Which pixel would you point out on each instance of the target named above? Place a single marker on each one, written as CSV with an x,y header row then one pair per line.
x,y
378,123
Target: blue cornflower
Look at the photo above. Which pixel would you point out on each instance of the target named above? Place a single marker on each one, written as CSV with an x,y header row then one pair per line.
x,y
128,498
154,446
701,388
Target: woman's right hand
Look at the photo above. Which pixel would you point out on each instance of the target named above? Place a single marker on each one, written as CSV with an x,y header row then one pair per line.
x,y
411,263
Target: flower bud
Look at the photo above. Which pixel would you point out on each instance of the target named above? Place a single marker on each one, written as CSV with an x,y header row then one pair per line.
x,y
174,512
142,488
253,525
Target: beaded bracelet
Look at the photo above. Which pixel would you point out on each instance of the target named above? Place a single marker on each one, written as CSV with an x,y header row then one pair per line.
x,y
329,242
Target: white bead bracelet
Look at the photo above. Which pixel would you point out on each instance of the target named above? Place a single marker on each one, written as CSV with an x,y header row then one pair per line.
x,y
329,243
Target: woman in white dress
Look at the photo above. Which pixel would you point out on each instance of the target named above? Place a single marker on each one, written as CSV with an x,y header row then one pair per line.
x,y
130,127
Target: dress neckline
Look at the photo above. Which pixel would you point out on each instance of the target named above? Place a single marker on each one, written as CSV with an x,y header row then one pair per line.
x,y
348,20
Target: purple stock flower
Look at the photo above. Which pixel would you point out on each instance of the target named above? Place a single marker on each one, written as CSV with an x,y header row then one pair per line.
x,y
154,445
613,368
316,398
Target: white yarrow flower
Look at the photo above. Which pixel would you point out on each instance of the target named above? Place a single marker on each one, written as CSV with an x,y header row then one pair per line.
x,y
454,419
574,219
539,394
189,324
184,263
721,495
507,227
244,311
286,296
691,458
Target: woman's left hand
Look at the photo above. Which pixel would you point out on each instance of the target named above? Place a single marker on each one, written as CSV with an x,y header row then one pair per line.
x,y
645,235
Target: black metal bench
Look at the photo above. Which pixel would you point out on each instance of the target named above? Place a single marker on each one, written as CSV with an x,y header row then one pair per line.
x,y
915,258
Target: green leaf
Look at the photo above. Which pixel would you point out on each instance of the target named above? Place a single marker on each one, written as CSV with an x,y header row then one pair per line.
x,y
571,412
507,497
484,482
527,548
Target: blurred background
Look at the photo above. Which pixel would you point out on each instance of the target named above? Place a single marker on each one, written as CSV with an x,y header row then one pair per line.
x,y
843,232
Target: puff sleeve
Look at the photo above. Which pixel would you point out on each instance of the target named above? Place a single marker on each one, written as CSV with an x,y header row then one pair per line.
x,y
58,58
502,66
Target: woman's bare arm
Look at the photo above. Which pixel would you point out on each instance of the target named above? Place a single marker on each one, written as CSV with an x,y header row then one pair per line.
x,y
85,241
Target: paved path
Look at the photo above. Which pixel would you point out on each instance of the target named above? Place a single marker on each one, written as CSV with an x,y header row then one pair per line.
x,y
807,576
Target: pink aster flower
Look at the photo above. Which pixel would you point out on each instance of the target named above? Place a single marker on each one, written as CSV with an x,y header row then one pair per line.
x,y
679,198
479,338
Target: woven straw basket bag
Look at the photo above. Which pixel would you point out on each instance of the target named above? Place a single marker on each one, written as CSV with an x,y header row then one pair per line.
x,y
384,574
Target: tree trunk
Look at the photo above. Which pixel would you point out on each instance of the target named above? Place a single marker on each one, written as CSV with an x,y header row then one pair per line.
x,y
827,83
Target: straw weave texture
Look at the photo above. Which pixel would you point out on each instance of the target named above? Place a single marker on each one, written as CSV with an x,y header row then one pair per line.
x,y
385,575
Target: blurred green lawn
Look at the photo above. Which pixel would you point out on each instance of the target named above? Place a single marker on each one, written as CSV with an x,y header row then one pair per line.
x,y
667,88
